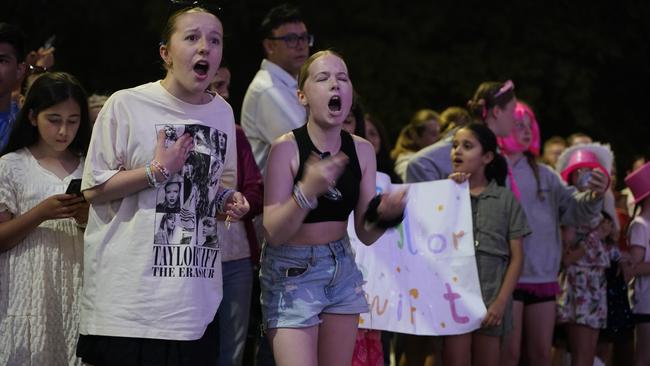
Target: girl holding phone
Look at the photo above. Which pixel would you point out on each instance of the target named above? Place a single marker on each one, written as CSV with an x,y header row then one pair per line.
x,y
41,243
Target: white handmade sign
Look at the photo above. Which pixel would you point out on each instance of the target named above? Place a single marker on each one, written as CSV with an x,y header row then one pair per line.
x,y
421,277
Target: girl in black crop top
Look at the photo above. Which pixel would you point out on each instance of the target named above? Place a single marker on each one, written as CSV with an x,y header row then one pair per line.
x,y
316,176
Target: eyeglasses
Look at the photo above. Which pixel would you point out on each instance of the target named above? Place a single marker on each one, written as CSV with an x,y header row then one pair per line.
x,y
507,86
292,39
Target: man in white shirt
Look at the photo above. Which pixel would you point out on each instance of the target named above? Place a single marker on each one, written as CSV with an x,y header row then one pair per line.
x,y
271,106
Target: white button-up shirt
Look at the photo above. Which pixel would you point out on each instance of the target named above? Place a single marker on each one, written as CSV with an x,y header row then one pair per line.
x,y
270,109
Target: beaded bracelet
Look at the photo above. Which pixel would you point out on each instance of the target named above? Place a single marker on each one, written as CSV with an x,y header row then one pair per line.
x,y
151,178
302,200
223,198
161,169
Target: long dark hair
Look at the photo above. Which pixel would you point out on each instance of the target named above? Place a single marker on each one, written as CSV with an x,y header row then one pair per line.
x,y
48,90
497,169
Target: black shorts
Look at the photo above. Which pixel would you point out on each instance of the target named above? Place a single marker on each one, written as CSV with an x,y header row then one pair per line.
x,y
106,350
529,298
641,318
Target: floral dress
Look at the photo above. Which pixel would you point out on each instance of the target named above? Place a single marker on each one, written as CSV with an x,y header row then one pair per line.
x,y
583,299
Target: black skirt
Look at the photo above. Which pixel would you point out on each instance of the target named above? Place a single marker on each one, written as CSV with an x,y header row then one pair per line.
x,y
106,350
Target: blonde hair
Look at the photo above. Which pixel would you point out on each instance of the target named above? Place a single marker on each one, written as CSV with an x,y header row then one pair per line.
x,y
453,117
304,69
408,134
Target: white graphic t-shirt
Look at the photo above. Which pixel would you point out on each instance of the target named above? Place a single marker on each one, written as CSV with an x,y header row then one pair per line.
x,y
152,260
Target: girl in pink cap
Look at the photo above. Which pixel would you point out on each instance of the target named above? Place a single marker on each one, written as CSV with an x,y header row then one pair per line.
x,y
582,303
639,239
546,200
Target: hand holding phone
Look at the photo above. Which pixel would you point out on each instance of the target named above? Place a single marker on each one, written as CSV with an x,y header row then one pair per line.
x,y
74,187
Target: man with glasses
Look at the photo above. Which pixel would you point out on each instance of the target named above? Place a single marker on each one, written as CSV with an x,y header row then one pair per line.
x,y
271,106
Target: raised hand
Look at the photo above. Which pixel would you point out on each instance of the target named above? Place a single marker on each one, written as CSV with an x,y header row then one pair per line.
x,y
597,182
392,205
459,177
320,175
173,157
43,57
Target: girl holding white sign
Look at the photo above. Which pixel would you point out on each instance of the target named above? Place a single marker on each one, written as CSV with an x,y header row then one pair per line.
x,y
499,227
311,287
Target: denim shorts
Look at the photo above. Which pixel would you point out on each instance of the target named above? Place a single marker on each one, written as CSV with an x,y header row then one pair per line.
x,y
298,283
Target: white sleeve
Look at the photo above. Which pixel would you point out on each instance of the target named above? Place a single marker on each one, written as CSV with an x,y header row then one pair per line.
x,y
8,195
229,175
637,234
274,117
106,152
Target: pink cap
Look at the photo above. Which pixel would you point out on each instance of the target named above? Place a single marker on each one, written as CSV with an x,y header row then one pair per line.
x,y
639,182
583,158
509,144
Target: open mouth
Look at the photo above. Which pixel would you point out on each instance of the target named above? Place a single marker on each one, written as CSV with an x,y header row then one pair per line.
x,y
457,161
334,103
201,68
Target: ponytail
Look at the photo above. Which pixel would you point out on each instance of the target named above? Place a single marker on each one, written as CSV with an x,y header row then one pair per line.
x,y
489,95
477,109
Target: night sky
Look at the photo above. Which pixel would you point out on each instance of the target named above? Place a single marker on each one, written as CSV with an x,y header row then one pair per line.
x,y
582,65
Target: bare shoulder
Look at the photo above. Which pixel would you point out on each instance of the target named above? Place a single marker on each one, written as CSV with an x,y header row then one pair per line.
x,y
365,153
284,152
285,143
364,147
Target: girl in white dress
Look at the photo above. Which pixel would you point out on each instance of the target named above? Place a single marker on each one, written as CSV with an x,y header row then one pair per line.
x,y
41,234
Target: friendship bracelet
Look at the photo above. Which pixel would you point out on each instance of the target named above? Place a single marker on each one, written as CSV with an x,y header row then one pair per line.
x,y
151,178
302,200
161,169
223,198
147,170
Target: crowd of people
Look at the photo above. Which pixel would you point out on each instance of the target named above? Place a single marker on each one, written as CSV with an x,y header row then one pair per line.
x,y
196,240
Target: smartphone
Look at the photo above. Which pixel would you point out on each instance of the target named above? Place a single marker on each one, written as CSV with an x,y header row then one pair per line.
x,y
74,187
49,42
583,180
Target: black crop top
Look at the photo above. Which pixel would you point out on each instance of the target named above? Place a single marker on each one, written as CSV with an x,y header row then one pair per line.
x,y
348,183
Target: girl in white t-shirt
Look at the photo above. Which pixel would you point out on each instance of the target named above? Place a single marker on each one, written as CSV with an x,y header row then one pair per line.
x,y
148,301
41,239
639,239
